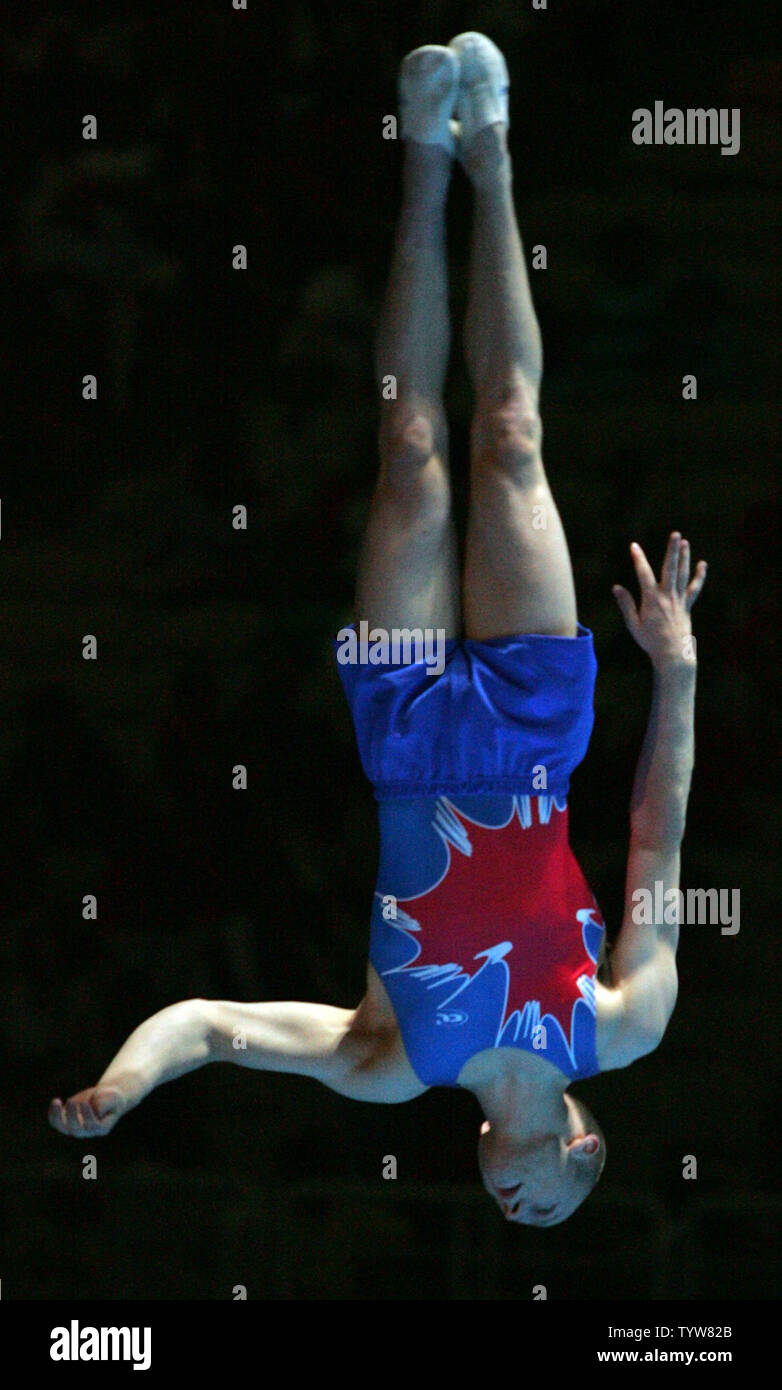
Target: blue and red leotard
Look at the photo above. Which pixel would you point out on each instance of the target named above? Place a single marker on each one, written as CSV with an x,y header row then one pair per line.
x,y
484,930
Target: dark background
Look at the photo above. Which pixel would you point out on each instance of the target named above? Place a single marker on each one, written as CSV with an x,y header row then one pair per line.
x,y
218,387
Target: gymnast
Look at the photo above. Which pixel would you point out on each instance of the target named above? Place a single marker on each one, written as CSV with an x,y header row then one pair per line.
x,y
488,968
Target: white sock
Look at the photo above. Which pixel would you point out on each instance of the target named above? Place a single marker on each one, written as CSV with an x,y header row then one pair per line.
x,y
483,85
427,97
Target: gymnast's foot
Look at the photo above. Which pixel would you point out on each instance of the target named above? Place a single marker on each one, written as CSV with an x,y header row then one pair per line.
x,y
427,85
482,108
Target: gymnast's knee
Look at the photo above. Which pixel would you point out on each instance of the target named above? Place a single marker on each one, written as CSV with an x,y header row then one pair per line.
x,y
412,443
507,431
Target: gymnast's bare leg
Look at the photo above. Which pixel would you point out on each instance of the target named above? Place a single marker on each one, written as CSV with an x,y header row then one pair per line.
x,y
518,575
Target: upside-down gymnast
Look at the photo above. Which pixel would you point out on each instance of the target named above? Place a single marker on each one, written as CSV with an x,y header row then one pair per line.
x,y
487,963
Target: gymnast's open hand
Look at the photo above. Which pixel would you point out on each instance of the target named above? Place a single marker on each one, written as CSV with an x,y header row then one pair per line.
x,y
662,625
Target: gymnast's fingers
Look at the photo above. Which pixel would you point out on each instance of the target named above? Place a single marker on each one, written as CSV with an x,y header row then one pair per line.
x,y
683,575
628,608
643,569
696,584
671,563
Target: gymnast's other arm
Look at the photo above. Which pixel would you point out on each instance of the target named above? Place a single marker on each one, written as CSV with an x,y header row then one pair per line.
x,y
643,962
348,1050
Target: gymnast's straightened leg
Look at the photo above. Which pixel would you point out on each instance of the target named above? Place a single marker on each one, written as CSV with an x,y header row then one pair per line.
x,y
518,576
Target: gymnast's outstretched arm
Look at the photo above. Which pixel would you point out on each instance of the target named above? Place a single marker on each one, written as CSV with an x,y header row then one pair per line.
x,y
644,957
332,1045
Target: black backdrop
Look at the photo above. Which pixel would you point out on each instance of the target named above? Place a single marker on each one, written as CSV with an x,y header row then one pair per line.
x,y
219,387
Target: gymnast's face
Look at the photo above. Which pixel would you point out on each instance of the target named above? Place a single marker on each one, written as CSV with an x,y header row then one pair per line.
x,y
540,1180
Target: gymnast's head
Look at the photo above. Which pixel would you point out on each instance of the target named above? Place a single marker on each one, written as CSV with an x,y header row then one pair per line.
x,y
539,1176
